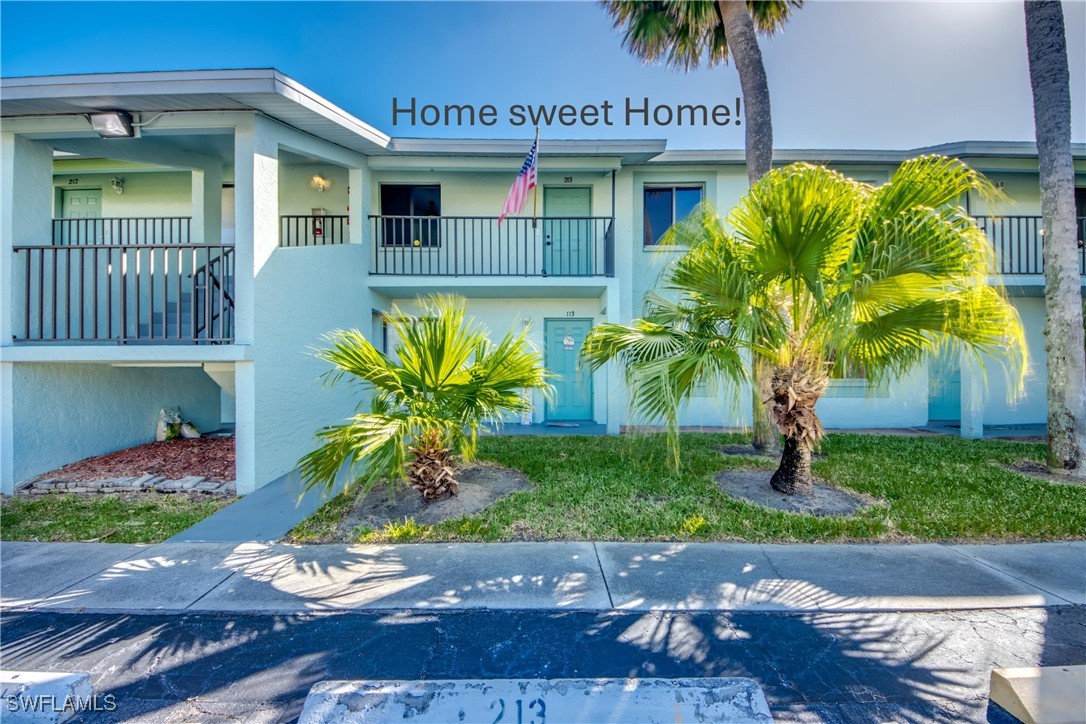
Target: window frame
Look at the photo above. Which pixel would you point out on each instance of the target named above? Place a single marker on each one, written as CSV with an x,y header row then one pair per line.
x,y
672,186
408,243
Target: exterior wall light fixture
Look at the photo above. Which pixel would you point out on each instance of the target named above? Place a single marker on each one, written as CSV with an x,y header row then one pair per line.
x,y
113,124
319,182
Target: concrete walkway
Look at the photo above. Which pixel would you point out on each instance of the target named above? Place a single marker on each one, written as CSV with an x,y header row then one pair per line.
x,y
265,515
252,577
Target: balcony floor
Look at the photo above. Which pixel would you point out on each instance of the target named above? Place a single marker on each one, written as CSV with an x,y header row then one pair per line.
x,y
491,287
143,353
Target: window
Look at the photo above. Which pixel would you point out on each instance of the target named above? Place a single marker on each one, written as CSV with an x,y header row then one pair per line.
x,y
412,215
664,205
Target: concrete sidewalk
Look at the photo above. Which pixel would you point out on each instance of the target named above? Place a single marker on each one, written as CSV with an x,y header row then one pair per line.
x,y
254,578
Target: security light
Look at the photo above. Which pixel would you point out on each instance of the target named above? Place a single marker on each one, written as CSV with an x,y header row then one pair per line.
x,y
113,124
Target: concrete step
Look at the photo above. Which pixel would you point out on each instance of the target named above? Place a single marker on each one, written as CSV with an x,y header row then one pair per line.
x,y
1041,694
600,701
46,696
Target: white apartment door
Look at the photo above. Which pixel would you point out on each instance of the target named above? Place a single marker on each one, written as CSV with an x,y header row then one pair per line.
x,y
81,204
567,231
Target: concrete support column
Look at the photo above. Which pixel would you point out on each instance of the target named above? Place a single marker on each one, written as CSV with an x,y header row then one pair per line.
x,y
245,426
619,295
7,428
359,202
207,204
256,230
972,398
26,213
256,215
613,376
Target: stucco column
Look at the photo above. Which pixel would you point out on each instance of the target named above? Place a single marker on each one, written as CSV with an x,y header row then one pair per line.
x,y
256,215
207,204
245,427
7,428
26,214
613,376
256,230
972,398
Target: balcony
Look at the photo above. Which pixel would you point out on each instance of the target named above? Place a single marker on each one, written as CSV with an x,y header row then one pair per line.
x,y
1019,243
455,246
124,281
313,230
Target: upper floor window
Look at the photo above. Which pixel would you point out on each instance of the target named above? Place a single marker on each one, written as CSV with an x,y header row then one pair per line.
x,y
414,210
664,205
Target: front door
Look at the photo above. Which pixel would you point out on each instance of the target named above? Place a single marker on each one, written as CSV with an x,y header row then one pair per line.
x,y
567,231
945,387
563,339
81,204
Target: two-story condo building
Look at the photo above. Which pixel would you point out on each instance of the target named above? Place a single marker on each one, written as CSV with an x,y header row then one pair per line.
x,y
183,239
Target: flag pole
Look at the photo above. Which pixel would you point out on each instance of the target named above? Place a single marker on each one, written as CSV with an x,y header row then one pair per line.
x,y
535,188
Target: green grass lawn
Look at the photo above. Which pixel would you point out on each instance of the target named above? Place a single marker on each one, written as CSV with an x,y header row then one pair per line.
x,y
138,519
621,488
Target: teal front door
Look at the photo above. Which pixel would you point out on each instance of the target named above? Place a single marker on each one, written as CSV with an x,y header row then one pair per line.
x,y
945,387
567,231
573,388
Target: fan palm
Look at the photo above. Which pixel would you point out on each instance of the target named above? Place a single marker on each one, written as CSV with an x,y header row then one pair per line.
x,y
688,34
430,401
820,273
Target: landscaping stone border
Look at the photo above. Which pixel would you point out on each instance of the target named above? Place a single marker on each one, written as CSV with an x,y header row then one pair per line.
x,y
138,484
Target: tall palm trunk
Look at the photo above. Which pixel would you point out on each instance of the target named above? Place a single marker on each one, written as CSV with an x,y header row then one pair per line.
x,y
1046,46
743,47
793,476
797,388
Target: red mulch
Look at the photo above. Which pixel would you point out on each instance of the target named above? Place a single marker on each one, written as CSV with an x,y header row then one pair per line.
x,y
211,458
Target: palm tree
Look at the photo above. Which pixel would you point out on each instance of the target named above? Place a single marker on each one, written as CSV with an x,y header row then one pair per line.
x,y
430,400
821,274
1046,46
687,34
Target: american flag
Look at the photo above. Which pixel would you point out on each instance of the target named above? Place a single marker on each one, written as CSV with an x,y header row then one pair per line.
x,y
525,182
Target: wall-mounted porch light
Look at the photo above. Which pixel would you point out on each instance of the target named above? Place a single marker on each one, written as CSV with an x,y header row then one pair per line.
x,y
319,183
113,124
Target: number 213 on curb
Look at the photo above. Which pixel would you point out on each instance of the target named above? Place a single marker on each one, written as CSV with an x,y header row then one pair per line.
x,y
533,705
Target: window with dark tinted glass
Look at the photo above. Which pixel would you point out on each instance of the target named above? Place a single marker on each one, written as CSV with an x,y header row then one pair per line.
x,y
664,205
412,215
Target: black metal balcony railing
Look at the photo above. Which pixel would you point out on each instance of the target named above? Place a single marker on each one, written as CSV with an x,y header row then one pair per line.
x,y
125,293
480,246
1019,243
128,231
313,230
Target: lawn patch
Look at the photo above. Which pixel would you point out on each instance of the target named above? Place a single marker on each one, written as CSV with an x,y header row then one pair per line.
x,y
108,517
622,488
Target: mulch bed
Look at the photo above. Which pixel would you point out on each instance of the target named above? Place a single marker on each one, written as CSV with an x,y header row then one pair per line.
x,y
481,483
752,485
211,458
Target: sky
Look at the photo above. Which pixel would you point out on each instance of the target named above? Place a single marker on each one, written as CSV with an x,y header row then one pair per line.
x,y
841,74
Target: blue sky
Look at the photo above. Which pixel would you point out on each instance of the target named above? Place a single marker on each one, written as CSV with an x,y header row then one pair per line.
x,y
843,74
